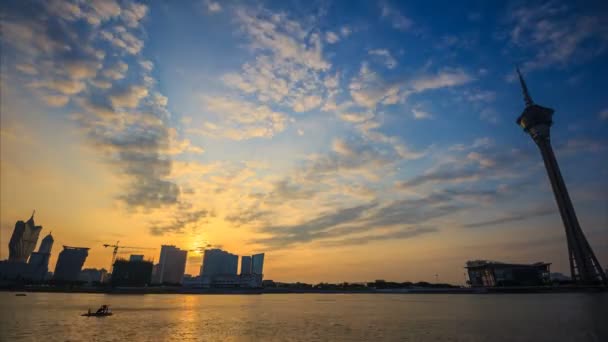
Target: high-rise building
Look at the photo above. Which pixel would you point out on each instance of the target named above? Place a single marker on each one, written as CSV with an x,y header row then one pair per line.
x,y
245,265
257,264
93,276
39,261
47,244
172,264
24,240
136,257
536,121
218,262
69,264
131,273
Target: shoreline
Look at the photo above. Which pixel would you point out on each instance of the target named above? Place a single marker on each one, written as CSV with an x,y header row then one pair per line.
x,y
228,291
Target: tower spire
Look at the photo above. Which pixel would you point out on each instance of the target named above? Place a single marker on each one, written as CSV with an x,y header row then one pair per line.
x,y
524,88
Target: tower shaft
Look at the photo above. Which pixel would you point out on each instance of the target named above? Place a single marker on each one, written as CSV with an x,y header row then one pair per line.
x,y
584,266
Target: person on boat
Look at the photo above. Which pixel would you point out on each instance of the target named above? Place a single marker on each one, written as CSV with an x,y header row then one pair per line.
x,y
103,309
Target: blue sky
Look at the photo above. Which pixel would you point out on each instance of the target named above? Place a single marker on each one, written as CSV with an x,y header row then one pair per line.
x,y
368,133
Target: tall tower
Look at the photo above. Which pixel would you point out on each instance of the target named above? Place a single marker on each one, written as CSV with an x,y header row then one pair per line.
x,y
536,121
24,240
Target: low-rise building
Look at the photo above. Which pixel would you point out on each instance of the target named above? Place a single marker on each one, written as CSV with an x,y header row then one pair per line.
x,y
484,273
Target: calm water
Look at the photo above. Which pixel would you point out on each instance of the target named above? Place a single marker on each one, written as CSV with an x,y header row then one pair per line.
x,y
306,317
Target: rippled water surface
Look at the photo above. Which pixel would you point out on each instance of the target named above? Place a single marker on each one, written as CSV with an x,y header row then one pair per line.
x,y
306,317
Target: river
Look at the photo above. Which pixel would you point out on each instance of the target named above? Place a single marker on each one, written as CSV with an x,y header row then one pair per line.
x,y
306,317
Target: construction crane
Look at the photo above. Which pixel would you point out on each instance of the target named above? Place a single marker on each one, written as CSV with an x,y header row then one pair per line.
x,y
115,251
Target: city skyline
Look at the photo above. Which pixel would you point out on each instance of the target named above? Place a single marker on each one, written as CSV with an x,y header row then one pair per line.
x,y
348,141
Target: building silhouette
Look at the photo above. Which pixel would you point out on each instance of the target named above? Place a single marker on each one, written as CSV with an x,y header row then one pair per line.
x,y
136,257
93,276
69,264
257,264
172,265
132,273
483,273
24,240
39,261
245,265
536,121
217,262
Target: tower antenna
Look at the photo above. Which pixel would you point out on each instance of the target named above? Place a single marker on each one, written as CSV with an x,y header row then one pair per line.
x,y
524,88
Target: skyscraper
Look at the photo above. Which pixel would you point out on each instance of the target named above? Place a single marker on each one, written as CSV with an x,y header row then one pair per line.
x,y
69,263
39,261
536,121
245,265
257,264
47,244
172,264
218,262
24,240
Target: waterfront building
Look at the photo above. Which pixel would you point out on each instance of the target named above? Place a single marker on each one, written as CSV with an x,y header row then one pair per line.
x,y
245,265
257,264
172,265
38,265
136,257
537,120
23,241
69,264
218,262
484,273
93,276
132,273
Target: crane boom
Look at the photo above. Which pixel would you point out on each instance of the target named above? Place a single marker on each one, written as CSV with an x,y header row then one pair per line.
x,y
115,248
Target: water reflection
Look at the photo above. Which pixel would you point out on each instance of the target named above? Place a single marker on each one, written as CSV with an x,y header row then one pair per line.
x,y
547,317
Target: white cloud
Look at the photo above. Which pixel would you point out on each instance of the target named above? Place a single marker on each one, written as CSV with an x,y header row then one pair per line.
x,y
238,119
345,31
116,71
134,13
388,59
331,37
63,86
213,6
130,97
56,100
287,70
556,35
147,65
368,89
420,114
442,79
27,69
82,69
285,38
397,20
490,115
603,115
123,40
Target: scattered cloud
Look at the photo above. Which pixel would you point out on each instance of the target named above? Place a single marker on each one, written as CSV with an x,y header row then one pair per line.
x,y
515,217
556,35
331,37
213,6
239,119
398,21
128,97
388,60
420,114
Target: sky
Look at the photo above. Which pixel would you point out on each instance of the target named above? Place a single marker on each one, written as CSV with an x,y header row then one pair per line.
x,y
348,140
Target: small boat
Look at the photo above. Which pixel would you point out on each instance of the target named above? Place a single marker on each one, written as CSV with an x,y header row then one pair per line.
x,y
103,311
95,314
20,294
